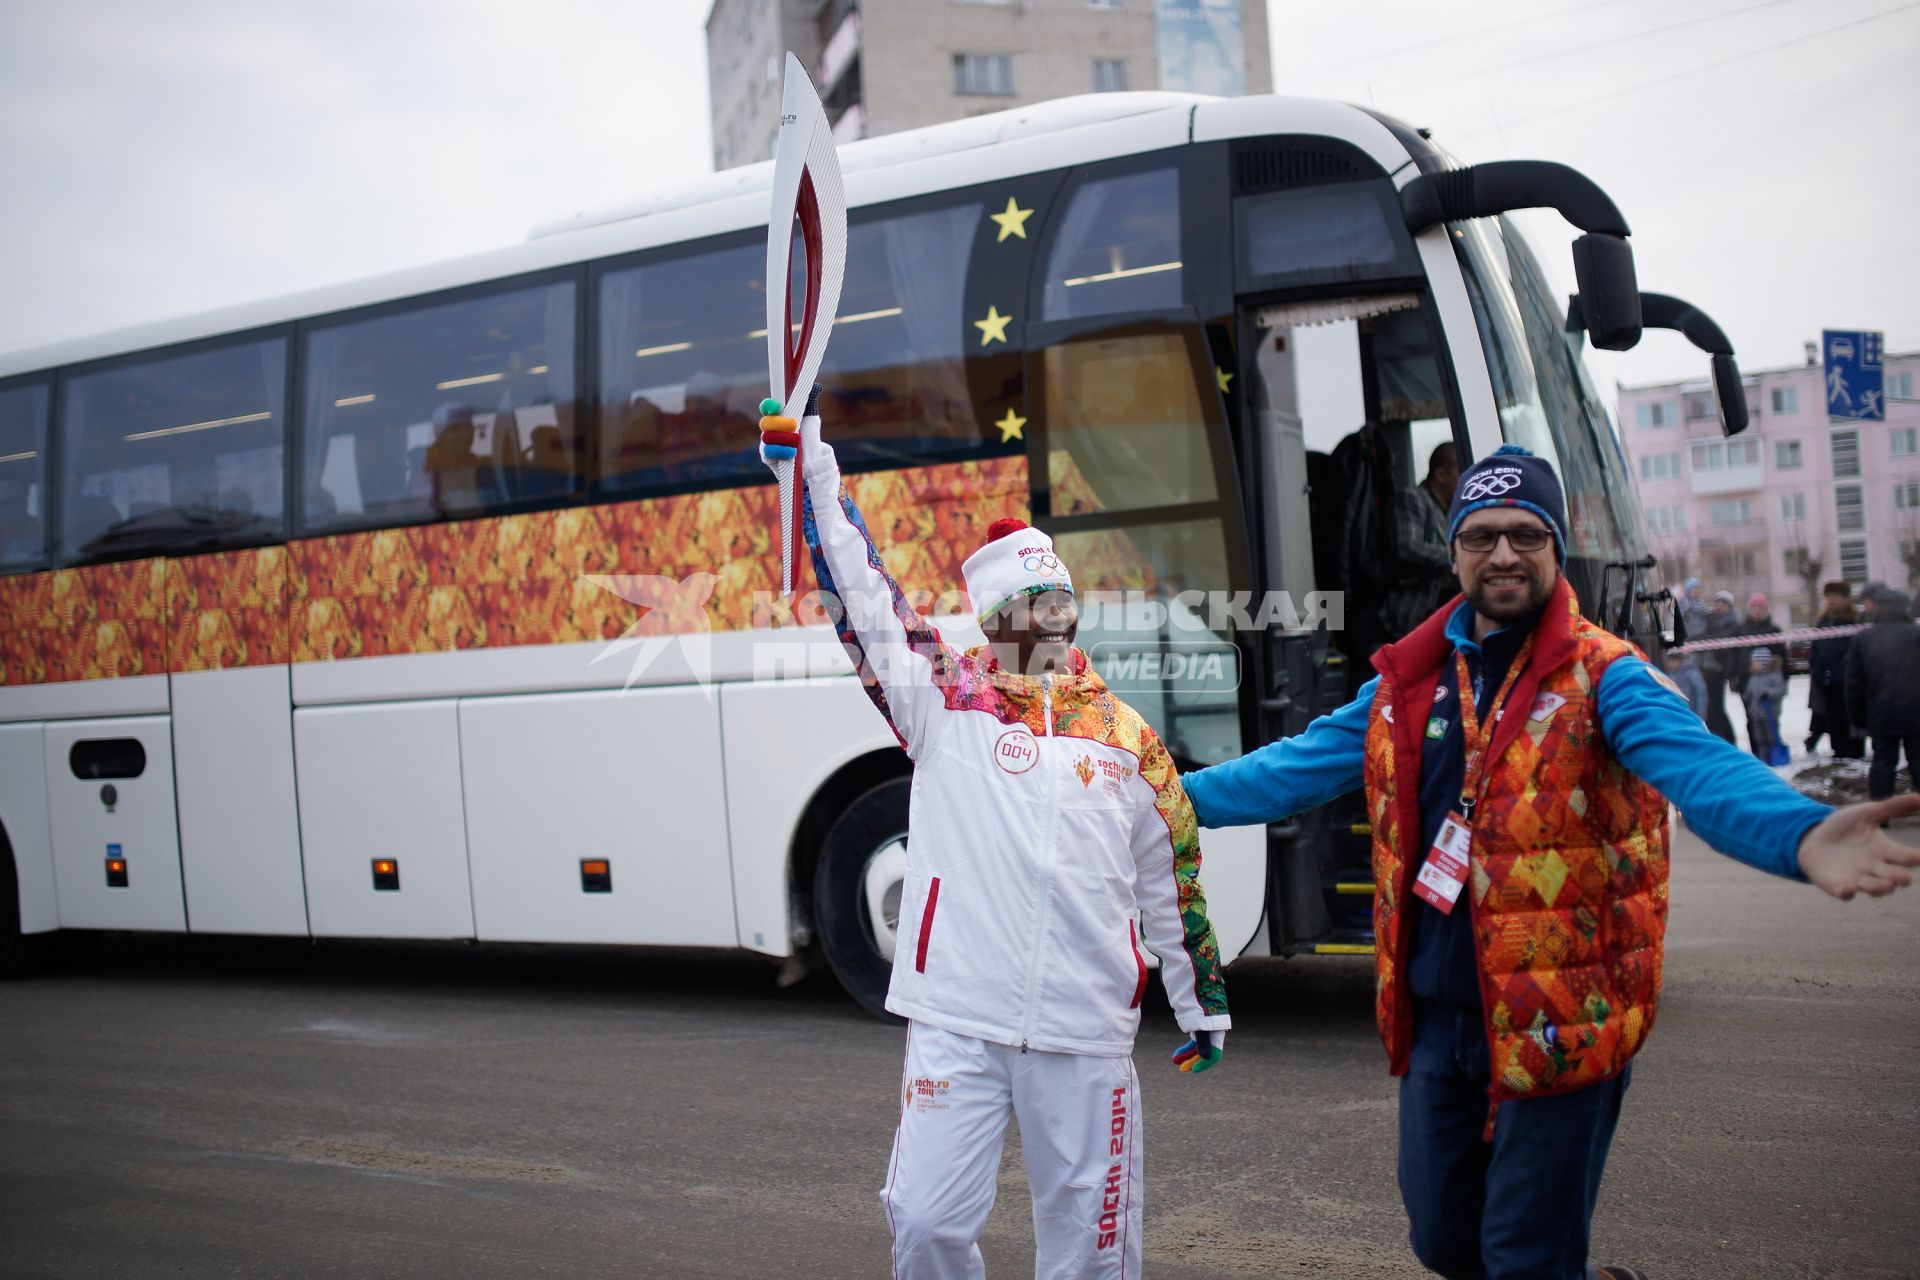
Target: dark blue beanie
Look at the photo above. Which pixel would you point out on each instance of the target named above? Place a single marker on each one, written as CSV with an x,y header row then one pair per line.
x,y
1511,476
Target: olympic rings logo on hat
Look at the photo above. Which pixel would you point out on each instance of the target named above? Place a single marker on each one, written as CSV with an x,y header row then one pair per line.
x,y
1045,566
1491,484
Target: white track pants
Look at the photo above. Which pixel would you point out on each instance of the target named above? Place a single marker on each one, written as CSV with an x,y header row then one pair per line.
x,y
1079,1135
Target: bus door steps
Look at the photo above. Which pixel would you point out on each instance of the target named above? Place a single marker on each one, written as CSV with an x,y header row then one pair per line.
x,y
1335,942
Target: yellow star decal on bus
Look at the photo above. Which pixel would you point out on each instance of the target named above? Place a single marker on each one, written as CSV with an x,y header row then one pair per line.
x,y
1222,377
994,327
1012,427
1013,222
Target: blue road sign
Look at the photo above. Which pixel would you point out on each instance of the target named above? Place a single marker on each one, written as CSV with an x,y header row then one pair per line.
x,y
1854,387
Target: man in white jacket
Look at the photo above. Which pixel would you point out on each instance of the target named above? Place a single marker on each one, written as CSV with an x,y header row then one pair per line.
x,y
1045,817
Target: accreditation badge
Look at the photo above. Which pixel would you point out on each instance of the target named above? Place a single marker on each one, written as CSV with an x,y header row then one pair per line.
x,y
1444,873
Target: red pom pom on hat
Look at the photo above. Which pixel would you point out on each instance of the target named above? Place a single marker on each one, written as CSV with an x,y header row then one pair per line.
x,y
1003,526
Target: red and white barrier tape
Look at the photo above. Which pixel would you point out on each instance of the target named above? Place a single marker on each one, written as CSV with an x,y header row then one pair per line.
x,y
1765,638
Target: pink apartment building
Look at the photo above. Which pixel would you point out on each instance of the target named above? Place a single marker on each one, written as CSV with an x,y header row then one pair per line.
x,y
1790,502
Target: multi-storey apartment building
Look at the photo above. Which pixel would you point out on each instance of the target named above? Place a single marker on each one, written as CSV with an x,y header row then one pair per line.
x,y
1793,500
886,65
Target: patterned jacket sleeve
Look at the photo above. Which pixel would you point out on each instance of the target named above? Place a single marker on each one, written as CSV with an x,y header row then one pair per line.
x,y
1173,906
903,663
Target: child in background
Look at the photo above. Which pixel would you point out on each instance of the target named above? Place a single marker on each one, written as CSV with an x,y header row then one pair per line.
x,y
1766,689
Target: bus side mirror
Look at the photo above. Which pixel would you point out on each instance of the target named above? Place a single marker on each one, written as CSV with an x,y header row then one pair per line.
x,y
1609,290
1730,393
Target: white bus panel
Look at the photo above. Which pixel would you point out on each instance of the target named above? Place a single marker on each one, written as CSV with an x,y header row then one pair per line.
x,y
383,783
784,739
23,810
632,778
138,827
78,699
239,822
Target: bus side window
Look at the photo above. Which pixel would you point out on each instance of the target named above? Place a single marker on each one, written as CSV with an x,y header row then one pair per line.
x,y
23,471
450,408
682,370
1118,248
183,450
894,383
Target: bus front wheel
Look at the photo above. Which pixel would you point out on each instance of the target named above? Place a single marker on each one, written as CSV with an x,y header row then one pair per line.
x,y
856,892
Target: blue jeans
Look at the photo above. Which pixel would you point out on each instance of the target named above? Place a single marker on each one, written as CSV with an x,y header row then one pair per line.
x,y
1519,1206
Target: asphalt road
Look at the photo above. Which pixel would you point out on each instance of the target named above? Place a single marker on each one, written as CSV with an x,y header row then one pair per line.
x,y
212,1107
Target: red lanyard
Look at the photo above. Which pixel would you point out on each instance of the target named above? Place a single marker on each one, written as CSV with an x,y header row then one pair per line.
x,y
1478,739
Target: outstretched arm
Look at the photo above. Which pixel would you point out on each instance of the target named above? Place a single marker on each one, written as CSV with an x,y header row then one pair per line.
x,y
1328,759
1741,807
902,660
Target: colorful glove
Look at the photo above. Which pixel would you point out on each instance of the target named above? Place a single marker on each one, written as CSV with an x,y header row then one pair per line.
x,y
1201,1052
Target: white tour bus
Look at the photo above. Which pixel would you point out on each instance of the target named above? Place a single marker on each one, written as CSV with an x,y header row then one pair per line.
x,y
314,607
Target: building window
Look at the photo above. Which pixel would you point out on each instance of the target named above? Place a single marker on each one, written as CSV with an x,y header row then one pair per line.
x,y
1793,506
1846,453
1906,497
1699,404
1660,466
1794,560
1667,519
1903,442
1853,560
1729,511
1786,399
1733,564
1849,508
1657,414
1714,455
1900,387
1786,455
1109,75
988,74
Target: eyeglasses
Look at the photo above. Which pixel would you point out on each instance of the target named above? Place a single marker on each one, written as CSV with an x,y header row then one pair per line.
x,y
1480,541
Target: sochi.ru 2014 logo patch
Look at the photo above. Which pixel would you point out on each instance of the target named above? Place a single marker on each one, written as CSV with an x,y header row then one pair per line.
x,y
1016,751
928,1094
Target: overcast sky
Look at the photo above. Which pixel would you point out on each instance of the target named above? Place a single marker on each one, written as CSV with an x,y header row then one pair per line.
x,y
164,158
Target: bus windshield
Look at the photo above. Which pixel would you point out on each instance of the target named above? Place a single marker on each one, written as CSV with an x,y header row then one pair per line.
x,y
1547,403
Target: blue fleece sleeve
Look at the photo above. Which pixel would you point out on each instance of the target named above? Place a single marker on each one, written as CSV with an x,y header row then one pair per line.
x,y
1325,760
1736,804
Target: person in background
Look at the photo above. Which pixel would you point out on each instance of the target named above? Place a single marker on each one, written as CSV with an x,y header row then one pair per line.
x,y
1766,688
1685,668
1422,579
1827,676
1517,762
1758,622
1883,689
1722,622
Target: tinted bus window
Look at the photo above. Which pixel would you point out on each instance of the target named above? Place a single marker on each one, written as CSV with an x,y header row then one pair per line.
x,y
23,470
174,453
894,383
1118,248
683,368
449,409
683,356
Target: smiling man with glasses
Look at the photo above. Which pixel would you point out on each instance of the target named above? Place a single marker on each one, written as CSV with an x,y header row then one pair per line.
x,y
1520,846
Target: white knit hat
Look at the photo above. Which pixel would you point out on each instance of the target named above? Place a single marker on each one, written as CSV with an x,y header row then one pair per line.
x,y
1017,560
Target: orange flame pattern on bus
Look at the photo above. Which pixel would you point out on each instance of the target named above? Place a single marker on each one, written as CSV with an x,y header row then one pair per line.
x,y
504,580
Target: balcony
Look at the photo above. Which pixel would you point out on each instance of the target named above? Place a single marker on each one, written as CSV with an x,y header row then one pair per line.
x,y
1741,479
1745,533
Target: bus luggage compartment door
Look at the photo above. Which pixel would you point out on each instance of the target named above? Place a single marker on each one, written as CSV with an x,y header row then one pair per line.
x,y
381,820
116,843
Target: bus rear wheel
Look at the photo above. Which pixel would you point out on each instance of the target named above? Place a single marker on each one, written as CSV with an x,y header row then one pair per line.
x,y
856,892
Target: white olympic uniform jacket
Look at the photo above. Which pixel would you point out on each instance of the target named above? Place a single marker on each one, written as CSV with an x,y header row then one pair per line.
x,y
1044,815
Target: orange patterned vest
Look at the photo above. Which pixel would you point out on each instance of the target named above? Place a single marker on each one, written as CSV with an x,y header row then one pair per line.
x,y
1568,886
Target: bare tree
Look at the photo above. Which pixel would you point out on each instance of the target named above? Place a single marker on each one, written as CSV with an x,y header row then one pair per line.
x,y
1807,565
1909,543
1675,552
